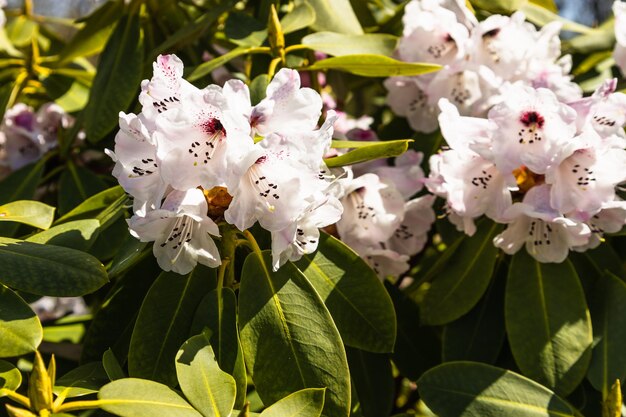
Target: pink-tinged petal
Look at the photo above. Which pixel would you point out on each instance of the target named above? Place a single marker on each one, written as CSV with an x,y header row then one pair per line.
x,y
412,234
408,99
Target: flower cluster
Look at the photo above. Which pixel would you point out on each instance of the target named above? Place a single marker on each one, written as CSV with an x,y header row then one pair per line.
x,y
619,53
479,59
547,169
25,135
190,146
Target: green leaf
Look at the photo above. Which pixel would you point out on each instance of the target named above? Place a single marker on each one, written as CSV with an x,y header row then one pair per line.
x,y
5,96
133,397
599,39
209,389
307,402
206,67
258,87
352,292
374,150
478,335
32,213
20,185
369,65
92,37
193,30
129,254
76,185
10,377
112,366
303,15
21,30
335,16
118,76
20,329
280,314
84,380
339,44
464,278
163,323
49,270
244,30
417,347
608,312
373,379
468,389
547,322
70,93
218,312
94,204
78,234
542,16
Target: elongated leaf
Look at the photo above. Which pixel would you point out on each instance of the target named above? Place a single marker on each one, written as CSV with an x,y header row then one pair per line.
x,y
112,366
301,16
129,254
335,16
308,402
375,150
84,380
78,234
352,292
542,16
218,312
339,44
373,379
5,97
133,397
469,389
121,67
19,185
417,347
547,322
10,377
92,37
464,279
206,67
49,270
608,313
280,314
244,30
369,65
32,213
163,323
478,335
20,329
209,389
76,185
94,205
599,39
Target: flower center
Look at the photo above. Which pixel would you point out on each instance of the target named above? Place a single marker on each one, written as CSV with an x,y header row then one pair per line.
x,y
531,132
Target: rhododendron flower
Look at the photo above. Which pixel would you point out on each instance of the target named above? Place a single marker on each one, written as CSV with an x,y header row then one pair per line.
x,y
181,232
619,53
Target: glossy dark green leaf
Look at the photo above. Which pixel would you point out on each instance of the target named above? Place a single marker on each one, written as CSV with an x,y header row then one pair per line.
x,y
547,322
301,16
218,312
134,397
121,65
83,380
244,30
418,347
32,213
112,366
129,254
163,323
5,97
94,205
76,185
335,16
608,315
374,150
352,292
20,329
478,335
471,389
370,65
463,280
78,234
338,44
206,67
10,377
19,185
373,379
307,402
49,270
209,389
258,86
280,314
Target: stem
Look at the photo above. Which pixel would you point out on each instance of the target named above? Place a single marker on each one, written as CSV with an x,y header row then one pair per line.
x,y
295,48
18,398
220,274
79,405
272,68
253,244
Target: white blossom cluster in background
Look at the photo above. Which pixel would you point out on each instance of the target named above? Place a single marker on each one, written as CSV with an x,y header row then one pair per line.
x,y
26,135
187,141
546,168
479,60
619,53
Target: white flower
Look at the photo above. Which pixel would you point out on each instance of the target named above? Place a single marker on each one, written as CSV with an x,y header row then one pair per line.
x,y
406,175
619,53
548,235
412,234
181,232
386,262
407,97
